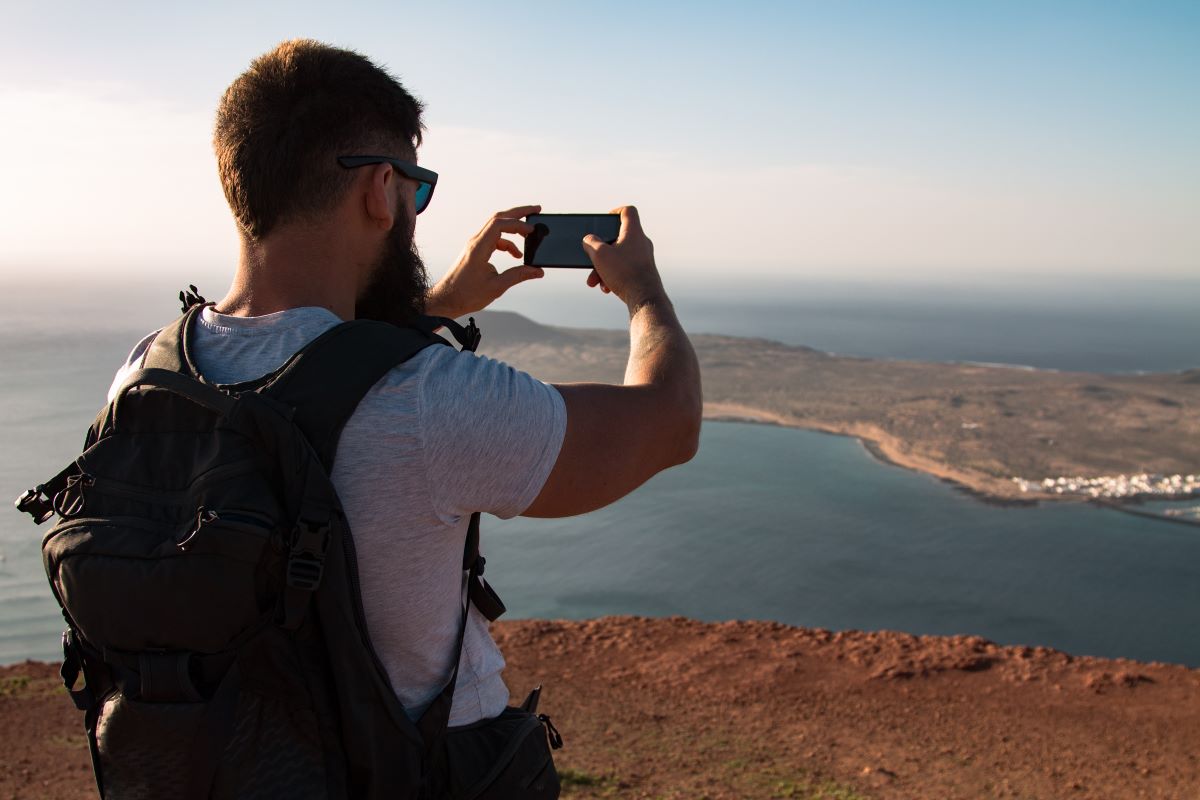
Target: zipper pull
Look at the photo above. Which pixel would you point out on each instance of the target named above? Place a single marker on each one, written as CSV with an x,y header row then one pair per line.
x,y
71,501
552,733
203,517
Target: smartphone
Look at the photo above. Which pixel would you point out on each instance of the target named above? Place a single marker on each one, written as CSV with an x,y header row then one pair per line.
x,y
557,239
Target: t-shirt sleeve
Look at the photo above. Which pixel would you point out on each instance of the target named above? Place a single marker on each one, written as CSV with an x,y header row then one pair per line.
x,y
491,434
132,364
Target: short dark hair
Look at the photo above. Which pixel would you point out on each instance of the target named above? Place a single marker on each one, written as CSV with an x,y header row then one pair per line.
x,y
283,122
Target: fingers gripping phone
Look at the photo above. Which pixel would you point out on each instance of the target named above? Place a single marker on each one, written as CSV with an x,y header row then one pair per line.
x,y
557,239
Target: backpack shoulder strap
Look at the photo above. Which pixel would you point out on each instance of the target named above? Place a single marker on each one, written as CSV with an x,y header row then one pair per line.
x,y
169,348
326,380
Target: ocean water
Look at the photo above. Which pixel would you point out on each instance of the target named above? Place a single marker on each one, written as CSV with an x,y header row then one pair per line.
x,y
765,523
1091,326
808,529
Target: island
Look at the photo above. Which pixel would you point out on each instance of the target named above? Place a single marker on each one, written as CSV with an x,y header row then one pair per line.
x,y
1005,434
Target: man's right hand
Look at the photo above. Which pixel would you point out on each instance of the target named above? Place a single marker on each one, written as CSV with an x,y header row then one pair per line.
x,y
617,437
473,283
625,268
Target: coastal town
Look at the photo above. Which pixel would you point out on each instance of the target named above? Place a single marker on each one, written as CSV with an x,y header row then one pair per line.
x,y
1116,486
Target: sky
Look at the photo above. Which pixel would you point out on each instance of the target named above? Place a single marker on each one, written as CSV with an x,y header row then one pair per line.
x,y
1007,141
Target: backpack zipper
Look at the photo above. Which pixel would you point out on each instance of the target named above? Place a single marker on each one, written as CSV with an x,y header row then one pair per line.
x,y
67,528
72,499
234,520
203,517
107,522
119,488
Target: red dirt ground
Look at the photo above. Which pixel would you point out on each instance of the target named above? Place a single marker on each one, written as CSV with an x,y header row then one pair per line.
x,y
674,708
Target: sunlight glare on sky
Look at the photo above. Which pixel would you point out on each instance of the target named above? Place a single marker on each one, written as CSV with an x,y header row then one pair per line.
x,y
929,139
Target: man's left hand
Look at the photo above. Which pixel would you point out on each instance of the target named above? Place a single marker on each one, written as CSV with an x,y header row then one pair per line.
x,y
473,283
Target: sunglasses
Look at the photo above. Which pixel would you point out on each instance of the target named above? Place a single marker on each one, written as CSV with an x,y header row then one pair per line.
x,y
427,178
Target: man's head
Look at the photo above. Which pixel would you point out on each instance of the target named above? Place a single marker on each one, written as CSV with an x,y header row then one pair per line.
x,y
280,128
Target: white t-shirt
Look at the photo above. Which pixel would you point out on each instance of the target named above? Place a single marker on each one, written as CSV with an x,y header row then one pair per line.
x,y
439,437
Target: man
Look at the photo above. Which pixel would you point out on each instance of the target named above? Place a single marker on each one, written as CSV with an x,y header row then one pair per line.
x,y
447,433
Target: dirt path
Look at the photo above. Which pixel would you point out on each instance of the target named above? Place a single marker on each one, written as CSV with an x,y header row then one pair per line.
x,y
674,708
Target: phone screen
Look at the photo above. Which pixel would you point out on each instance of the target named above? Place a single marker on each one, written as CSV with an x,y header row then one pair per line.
x,y
557,239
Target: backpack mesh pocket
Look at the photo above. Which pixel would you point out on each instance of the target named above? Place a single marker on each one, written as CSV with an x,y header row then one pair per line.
x,y
156,750
130,739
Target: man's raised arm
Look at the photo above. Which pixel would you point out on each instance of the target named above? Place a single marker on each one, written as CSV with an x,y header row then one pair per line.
x,y
618,437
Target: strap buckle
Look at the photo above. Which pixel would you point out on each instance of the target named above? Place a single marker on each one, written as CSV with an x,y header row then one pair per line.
x,y
36,503
473,336
166,677
468,336
307,560
190,297
39,502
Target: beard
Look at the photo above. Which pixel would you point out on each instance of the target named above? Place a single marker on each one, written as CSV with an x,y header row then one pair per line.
x,y
398,285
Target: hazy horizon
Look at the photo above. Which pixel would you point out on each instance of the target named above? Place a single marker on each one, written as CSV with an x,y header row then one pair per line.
x,y
1112,327
944,142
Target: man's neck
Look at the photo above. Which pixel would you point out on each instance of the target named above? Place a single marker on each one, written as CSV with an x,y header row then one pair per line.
x,y
291,269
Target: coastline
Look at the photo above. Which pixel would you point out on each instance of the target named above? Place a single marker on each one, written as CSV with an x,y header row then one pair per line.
x,y
887,450
676,708
995,433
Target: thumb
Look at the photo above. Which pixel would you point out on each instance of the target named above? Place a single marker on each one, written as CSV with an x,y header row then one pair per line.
x,y
592,243
511,277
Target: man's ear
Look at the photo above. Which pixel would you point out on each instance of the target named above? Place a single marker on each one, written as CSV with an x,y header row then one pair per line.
x,y
379,200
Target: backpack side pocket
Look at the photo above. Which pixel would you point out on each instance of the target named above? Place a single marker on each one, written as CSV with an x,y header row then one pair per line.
x,y
503,758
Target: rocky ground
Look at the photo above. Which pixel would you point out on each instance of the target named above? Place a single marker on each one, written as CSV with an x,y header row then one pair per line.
x,y
674,708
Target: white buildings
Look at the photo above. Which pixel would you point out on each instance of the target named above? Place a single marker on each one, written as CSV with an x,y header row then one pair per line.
x,y
1116,486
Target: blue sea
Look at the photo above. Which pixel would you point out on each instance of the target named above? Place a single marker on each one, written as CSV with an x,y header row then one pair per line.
x,y
765,523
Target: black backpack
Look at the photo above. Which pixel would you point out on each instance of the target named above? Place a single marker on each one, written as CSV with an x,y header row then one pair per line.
x,y
210,587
